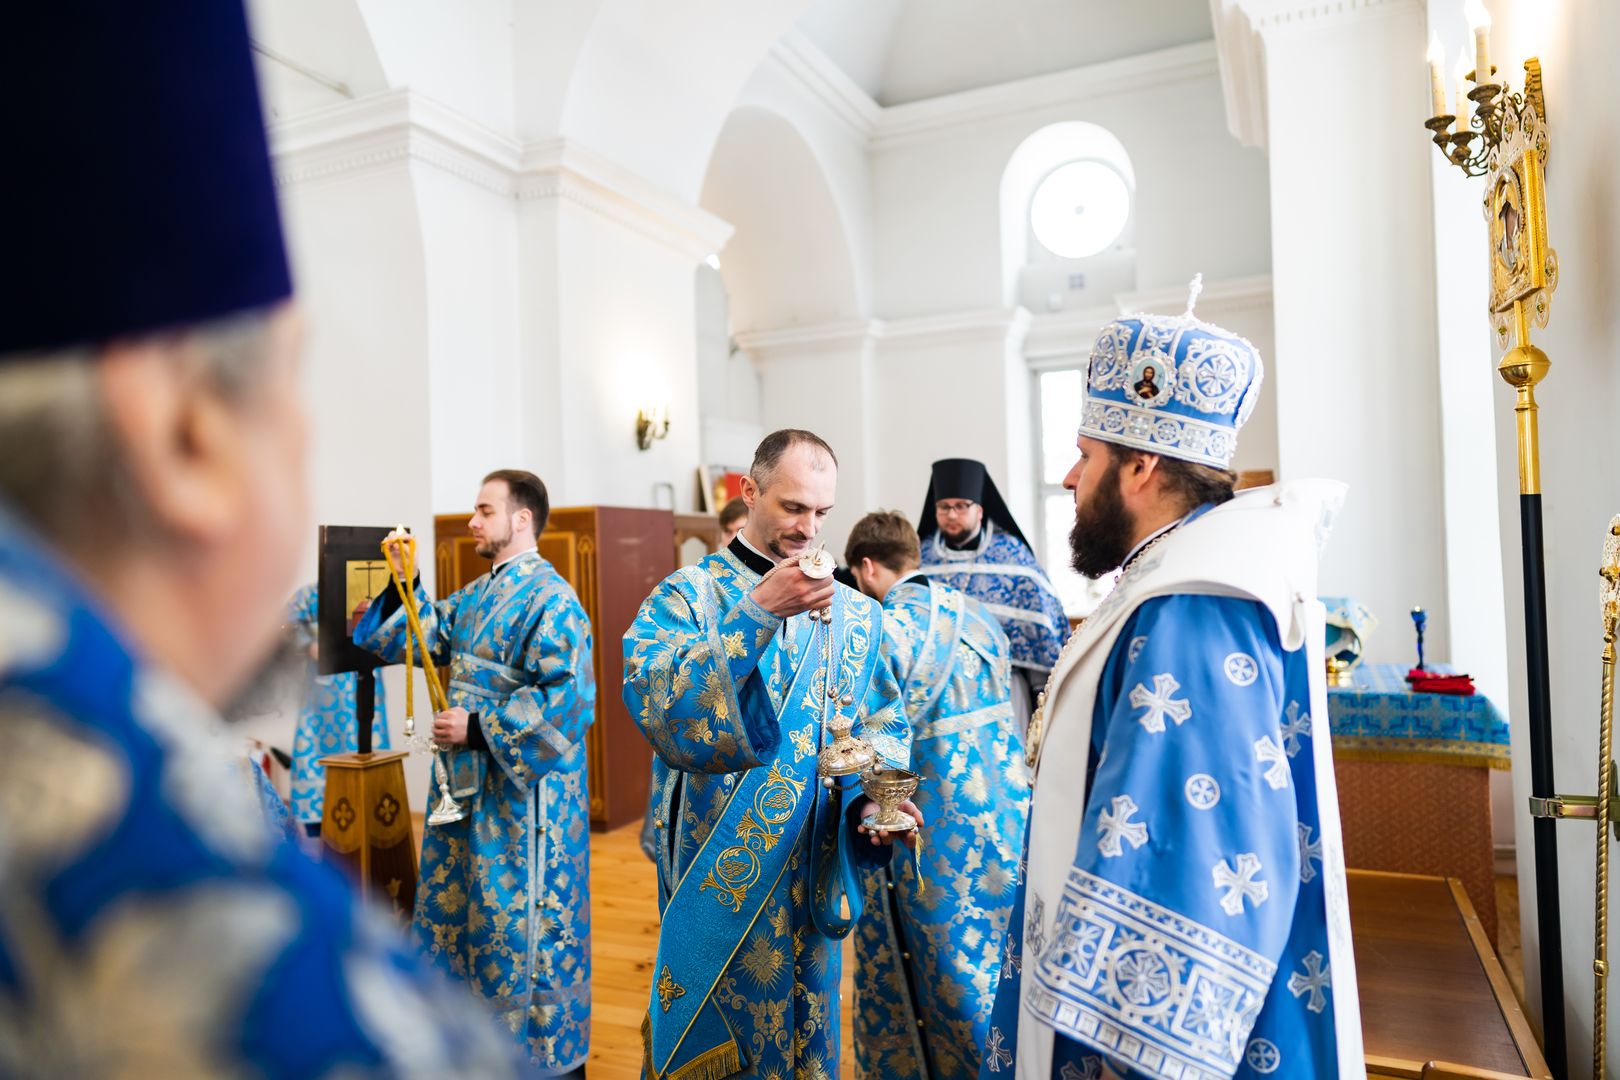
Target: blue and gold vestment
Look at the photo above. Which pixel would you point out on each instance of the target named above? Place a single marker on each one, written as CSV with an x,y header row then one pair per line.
x,y
928,960
150,925
326,716
1001,573
504,897
734,701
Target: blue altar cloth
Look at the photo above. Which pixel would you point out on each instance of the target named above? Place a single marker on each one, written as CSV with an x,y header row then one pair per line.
x,y
1376,716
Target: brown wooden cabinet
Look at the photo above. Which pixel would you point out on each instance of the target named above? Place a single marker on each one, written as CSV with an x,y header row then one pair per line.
x,y
613,557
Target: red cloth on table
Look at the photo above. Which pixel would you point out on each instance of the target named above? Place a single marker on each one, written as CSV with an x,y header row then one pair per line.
x,y
1429,682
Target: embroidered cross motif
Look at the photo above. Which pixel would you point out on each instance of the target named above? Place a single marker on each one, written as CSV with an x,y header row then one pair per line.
x,y
1202,791
668,991
1308,849
1313,980
1239,883
1090,1068
1267,749
1159,703
1134,649
1263,1056
995,1052
1295,726
1010,963
1241,670
1116,825
1034,929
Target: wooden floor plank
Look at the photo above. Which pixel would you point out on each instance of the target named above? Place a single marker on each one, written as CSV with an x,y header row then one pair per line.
x,y
624,941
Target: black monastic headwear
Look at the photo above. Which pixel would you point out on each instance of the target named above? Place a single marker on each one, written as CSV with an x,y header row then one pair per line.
x,y
964,478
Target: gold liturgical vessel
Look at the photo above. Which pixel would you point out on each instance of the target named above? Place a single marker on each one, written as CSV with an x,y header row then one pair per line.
x,y
889,788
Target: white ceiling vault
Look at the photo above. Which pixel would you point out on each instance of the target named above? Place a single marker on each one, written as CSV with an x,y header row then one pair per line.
x,y
907,50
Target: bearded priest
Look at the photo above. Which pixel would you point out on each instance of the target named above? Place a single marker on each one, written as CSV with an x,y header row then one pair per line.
x,y
1184,910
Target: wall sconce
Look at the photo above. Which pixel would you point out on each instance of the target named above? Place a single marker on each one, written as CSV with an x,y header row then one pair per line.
x,y
652,422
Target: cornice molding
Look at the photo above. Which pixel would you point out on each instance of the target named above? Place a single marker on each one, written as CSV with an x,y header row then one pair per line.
x,y
984,326
802,61
1055,339
1240,29
385,130
899,125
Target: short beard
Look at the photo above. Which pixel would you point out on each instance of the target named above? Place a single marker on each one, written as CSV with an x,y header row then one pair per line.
x,y
1101,537
491,547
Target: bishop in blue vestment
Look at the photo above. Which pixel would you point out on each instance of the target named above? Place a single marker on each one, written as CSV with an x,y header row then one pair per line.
x,y
504,897
754,856
1184,911
929,950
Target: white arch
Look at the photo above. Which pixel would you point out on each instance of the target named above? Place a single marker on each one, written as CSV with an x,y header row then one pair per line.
x,y
790,261
1037,155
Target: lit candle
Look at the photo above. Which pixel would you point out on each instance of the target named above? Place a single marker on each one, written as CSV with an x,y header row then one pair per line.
x,y
1437,78
1479,20
1461,73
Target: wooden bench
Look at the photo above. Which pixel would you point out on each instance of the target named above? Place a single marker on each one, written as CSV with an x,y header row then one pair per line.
x,y
1435,1003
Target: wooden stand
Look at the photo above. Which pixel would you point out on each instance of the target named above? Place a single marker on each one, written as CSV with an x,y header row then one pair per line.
x,y
367,824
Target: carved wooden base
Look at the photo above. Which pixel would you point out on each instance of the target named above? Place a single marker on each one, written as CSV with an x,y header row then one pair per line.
x,y
367,825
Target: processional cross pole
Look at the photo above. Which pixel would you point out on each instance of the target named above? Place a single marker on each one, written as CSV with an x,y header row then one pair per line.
x,y
1506,141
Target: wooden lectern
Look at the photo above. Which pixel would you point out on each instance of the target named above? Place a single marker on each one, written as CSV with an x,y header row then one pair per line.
x,y
366,822
613,557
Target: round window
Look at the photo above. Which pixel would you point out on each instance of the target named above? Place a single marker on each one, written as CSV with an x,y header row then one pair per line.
x,y
1079,209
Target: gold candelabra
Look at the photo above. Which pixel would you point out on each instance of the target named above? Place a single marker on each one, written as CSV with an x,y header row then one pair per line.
x,y
1502,136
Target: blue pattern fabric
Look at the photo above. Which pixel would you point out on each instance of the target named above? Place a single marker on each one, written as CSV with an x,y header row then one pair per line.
x,y
1172,385
1191,937
149,924
707,675
326,716
504,897
1378,713
1001,573
929,952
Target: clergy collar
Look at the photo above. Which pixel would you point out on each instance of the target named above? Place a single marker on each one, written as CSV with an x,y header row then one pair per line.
x,y
1146,540
749,556
915,575
966,545
498,567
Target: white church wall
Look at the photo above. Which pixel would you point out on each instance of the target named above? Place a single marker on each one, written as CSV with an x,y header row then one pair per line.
x,y
1201,199
1356,388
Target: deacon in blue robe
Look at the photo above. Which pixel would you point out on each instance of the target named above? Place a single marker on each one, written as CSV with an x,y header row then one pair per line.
x,y
971,542
736,703
929,951
504,897
327,716
1184,909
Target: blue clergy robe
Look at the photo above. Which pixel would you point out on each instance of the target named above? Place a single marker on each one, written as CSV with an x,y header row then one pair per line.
x,y
504,896
326,716
929,958
1001,573
734,702
1185,908
150,925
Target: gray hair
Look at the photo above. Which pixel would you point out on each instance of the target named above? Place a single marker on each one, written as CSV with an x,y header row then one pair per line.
x,y
60,465
768,456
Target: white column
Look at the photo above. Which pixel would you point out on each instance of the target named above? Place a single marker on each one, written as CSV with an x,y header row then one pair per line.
x,y
1338,92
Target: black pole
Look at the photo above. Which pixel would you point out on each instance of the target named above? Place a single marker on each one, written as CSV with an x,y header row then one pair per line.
x,y
1548,921
365,705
